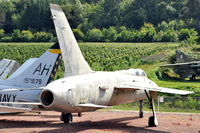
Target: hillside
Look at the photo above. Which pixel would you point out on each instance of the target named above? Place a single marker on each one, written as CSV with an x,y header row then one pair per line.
x,y
112,56
117,56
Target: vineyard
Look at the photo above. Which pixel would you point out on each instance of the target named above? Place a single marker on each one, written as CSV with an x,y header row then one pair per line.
x,y
100,56
114,56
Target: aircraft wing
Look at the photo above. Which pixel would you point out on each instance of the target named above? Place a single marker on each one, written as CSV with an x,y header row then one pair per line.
x,y
10,106
14,109
20,103
192,64
90,105
155,89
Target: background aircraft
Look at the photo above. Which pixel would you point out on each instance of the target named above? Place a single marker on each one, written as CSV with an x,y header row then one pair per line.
x,y
7,67
85,90
184,66
21,90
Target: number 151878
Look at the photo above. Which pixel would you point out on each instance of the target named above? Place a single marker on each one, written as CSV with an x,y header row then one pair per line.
x,y
32,81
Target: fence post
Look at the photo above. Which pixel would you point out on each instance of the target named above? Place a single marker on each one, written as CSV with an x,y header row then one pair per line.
x,y
158,103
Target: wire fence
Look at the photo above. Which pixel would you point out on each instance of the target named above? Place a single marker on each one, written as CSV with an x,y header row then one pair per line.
x,y
191,104
168,104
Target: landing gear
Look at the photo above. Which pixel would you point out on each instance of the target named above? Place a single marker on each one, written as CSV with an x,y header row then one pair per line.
x,y
192,78
141,114
66,117
79,114
153,122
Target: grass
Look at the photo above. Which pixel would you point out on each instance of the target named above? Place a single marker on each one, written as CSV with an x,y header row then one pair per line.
x,y
103,58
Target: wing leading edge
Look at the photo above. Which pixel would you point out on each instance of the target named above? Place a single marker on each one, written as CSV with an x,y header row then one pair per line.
x,y
90,105
155,89
181,64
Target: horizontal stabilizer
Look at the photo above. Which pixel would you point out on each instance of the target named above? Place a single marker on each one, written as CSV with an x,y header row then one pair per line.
x,y
14,109
156,89
90,105
195,63
20,103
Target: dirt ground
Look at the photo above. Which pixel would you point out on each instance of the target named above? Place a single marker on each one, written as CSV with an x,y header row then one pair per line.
x,y
99,122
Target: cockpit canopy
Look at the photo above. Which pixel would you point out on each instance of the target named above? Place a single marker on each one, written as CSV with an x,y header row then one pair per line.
x,y
135,72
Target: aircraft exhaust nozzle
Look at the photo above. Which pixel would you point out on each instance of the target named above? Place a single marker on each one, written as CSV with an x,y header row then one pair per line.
x,y
46,98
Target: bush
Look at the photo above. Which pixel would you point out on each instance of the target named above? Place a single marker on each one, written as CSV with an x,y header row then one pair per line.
x,y
78,34
42,37
146,33
110,34
6,39
94,35
26,36
126,35
162,26
166,36
188,35
172,25
16,35
2,33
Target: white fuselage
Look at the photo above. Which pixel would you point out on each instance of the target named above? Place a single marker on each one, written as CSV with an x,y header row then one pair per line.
x,y
95,88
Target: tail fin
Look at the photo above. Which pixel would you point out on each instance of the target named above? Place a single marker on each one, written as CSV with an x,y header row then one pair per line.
x,y
7,67
74,61
36,72
181,57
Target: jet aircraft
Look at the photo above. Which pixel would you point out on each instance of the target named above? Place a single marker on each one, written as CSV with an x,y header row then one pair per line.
x,y
83,89
7,67
24,84
184,66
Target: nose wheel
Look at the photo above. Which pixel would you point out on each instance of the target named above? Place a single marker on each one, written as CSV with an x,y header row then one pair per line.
x,y
66,117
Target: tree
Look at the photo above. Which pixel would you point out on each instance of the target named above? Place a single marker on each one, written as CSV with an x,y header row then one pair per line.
x,y
8,8
36,15
191,14
74,12
135,18
105,14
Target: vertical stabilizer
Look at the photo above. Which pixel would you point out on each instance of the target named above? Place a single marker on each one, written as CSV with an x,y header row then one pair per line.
x,y
74,62
36,72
